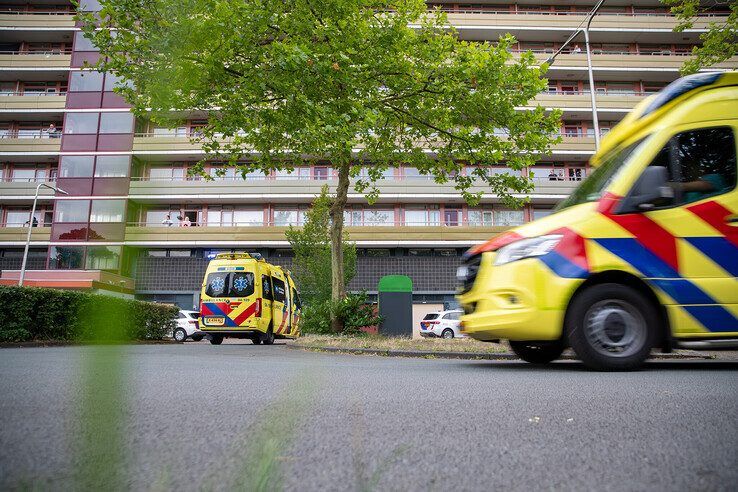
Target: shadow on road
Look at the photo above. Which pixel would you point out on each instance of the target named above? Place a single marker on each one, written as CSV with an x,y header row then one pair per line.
x,y
575,366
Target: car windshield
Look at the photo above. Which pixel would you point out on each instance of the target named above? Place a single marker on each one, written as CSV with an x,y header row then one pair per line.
x,y
592,188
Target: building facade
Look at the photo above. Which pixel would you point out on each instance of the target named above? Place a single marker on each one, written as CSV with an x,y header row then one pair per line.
x,y
132,211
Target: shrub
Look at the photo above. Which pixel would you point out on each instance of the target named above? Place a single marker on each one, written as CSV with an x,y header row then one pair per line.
x,y
353,310
47,314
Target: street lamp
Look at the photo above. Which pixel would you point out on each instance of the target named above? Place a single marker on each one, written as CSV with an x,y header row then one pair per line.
x,y
30,228
587,22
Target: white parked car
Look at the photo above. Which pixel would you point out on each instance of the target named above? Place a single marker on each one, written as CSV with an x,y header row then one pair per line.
x,y
187,327
444,324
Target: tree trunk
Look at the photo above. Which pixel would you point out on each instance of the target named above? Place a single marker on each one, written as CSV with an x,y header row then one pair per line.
x,y
338,290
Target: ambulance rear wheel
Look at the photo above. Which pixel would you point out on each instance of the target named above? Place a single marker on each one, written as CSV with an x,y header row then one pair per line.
x,y
612,327
268,337
256,340
216,339
537,352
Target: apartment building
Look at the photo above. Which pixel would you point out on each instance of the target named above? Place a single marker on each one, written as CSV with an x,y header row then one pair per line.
x,y
134,222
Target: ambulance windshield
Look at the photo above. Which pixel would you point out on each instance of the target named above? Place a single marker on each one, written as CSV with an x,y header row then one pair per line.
x,y
592,188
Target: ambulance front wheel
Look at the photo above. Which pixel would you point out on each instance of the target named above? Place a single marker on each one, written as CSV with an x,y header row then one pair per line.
x,y
216,339
268,337
537,352
612,327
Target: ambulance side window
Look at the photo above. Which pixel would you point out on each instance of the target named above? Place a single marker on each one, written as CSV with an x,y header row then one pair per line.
x,y
700,164
266,286
279,292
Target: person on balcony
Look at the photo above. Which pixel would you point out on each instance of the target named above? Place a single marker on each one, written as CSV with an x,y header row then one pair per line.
x,y
167,221
576,49
53,131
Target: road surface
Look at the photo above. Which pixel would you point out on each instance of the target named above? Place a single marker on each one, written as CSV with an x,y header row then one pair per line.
x,y
197,416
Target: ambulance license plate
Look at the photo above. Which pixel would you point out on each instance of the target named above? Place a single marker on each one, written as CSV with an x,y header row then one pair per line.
x,y
215,320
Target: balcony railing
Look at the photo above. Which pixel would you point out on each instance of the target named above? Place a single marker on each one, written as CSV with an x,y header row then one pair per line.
x,y
30,134
31,93
36,179
285,224
21,10
492,10
50,51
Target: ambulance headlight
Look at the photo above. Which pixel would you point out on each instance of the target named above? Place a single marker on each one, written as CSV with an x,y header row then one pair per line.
x,y
527,248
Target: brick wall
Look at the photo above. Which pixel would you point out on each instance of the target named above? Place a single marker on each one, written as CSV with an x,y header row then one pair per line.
x,y
434,274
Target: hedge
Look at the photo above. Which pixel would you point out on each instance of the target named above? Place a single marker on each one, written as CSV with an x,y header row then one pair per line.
x,y
30,313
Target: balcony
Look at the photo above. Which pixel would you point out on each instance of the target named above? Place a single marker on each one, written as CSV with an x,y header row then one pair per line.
x,y
581,100
39,143
604,21
43,19
23,189
377,235
31,101
10,236
52,60
238,190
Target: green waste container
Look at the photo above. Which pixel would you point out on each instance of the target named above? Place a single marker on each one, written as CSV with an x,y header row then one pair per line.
x,y
396,305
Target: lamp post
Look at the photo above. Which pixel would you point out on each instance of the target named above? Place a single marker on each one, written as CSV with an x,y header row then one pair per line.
x,y
30,228
587,23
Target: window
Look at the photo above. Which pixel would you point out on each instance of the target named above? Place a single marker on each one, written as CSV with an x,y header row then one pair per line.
x,y
539,213
85,81
81,123
107,210
480,218
82,43
102,257
66,257
284,217
508,217
116,122
280,294
431,316
248,217
180,253
113,81
592,188
700,164
376,217
72,210
76,166
112,166
266,287
422,216
237,284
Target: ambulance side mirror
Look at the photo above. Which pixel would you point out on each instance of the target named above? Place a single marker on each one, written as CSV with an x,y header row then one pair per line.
x,y
651,189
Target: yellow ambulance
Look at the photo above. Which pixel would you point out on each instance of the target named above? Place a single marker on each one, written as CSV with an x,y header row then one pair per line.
x,y
643,254
243,296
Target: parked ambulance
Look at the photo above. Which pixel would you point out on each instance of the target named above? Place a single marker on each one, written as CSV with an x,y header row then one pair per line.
x,y
243,296
644,254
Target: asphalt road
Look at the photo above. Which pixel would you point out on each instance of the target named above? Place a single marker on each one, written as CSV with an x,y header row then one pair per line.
x,y
197,416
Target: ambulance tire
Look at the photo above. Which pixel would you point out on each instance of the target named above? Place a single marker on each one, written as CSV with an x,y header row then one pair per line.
x,y
624,315
537,352
268,337
196,338
256,340
216,339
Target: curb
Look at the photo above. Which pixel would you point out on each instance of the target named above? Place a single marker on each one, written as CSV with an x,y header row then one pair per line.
x,y
470,355
59,343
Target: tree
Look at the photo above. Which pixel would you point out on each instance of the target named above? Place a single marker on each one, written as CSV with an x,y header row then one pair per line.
x,y
719,43
312,247
348,82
